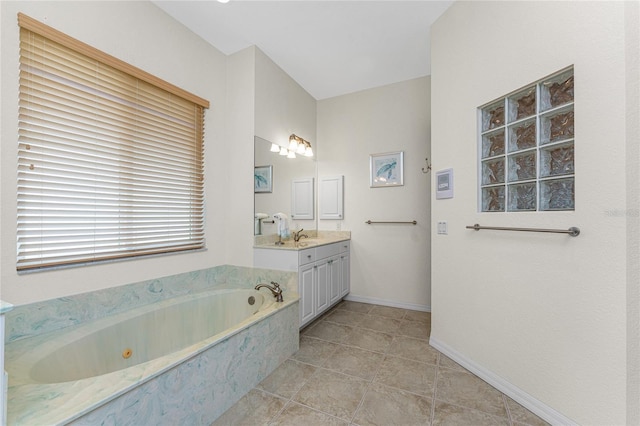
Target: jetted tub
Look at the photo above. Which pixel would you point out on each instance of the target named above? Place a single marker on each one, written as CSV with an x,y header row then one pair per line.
x,y
180,361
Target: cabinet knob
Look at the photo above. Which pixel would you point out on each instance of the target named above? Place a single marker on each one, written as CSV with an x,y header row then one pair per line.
x,y
308,256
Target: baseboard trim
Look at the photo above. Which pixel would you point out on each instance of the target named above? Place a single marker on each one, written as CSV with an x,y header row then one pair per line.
x,y
521,397
411,306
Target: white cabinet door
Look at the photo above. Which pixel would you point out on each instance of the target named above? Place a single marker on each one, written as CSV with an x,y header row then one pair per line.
x,y
302,198
331,198
306,278
323,278
334,276
345,274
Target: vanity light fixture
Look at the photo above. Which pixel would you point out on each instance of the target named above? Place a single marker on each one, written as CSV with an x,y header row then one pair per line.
x,y
299,145
283,151
291,154
275,147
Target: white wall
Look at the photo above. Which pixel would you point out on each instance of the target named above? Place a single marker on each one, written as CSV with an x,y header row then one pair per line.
x,y
389,263
143,35
237,151
544,313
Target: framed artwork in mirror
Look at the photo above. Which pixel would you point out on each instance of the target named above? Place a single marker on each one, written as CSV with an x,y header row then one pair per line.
x,y
263,179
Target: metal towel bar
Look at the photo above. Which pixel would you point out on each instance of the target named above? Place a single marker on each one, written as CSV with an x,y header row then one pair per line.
x,y
412,222
573,231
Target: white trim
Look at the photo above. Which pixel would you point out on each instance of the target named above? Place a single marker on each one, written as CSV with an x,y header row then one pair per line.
x,y
383,302
518,395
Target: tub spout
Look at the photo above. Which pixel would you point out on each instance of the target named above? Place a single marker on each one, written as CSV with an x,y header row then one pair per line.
x,y
275,290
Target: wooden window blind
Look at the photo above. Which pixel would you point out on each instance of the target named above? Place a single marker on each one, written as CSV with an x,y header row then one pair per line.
x,y
110,158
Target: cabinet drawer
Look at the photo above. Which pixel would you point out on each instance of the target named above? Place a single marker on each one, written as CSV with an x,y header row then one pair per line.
x,y
328,250
306,256
345,246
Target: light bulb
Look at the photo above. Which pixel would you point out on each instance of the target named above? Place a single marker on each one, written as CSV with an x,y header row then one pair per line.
x,y
275,147
300,149
308,152
283,151
293,144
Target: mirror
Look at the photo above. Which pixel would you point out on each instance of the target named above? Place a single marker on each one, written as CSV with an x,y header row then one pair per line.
x,y
276,196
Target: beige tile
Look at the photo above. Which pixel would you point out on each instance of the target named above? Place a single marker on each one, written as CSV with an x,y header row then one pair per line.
x,y
522,416
467,390
255,408
355,362
363,308
329,331
418,316
382,324
383,405
447,362
345,317
417,329
287,379
411,376
387,311
295,415
413,349
333,393
314,351
455,415
369,340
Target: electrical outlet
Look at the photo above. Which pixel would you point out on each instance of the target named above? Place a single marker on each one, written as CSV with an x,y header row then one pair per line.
x,y
442,228
338,225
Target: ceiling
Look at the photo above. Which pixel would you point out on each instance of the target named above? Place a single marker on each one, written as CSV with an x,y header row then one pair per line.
x,y
329,47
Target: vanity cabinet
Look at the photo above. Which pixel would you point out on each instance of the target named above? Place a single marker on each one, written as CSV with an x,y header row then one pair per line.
x,y
323,274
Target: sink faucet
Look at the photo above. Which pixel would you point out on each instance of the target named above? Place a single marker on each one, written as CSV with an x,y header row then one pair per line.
x,y
275,290
298,235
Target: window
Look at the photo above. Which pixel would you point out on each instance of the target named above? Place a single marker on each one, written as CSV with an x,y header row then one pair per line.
x,y
110,158
527,148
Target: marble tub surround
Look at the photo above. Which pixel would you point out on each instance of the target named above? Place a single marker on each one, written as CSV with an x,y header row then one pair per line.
x,y
193,385
42,317
316,238
5,307
363,364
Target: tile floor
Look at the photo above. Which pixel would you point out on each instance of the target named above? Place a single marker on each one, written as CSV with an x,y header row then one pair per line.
x,y
363,364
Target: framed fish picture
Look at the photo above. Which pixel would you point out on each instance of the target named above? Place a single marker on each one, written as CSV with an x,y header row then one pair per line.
x,y
263,179
386,169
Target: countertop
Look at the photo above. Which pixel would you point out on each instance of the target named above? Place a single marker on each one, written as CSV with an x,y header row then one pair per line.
x,y
315,239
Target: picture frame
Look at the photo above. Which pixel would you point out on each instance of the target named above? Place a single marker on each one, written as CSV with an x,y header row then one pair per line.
x,y
263,179
386,169
444,184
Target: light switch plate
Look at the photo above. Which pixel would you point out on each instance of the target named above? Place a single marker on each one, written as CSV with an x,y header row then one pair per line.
x,y
442,228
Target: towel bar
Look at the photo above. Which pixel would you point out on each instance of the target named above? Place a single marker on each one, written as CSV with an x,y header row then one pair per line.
x,y
412,222
573,231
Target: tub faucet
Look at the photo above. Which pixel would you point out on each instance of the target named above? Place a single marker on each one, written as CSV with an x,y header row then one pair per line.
x,y
298,235
275,290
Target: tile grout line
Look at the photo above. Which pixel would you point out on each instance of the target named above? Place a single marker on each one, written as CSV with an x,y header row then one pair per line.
x,y
435,389
507,409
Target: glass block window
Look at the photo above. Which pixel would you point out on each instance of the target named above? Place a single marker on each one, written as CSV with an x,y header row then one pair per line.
x,y
527,148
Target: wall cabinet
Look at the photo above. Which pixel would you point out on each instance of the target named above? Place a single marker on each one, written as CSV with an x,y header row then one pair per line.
x,y
302,206
331,197
323,274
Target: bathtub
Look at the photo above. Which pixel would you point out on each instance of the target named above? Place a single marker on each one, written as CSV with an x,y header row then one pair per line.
x,y
183,360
